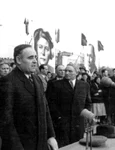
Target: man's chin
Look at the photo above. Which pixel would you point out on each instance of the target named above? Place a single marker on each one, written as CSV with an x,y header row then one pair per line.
x,y
34,70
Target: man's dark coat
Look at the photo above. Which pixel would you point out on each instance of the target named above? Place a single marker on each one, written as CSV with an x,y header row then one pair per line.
x,y
66,105
26,122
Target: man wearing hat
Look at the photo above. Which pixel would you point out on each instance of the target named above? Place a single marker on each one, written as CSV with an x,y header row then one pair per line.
x,y
71,101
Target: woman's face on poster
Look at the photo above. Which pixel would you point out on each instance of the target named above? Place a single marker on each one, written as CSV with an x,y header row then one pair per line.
x,y
91,57
43,51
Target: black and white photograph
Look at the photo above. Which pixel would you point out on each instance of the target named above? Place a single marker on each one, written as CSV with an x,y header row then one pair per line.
x,y
57,75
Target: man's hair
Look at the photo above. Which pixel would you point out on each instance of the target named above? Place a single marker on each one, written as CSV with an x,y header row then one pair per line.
x,y
85,73
97,78
113,69
18,50
103,70
58,66
42,66
73,65
4,62
11,64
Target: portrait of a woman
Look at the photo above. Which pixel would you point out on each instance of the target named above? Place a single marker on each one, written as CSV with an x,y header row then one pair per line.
x,y
91,59
44,47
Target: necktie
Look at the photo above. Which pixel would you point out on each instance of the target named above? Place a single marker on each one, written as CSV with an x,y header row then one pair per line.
x,y
31,80
71,83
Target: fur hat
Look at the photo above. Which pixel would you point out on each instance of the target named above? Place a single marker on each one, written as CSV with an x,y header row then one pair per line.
x,y
106,130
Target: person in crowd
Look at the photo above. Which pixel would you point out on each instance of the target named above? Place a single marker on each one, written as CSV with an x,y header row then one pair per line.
x,y
94,74
53,75
4,68
43,75
49,75
60,73
98,107
82,69
44,47
12,65
112,99
86,77
71,104
27,123
105,73
106,94
79,76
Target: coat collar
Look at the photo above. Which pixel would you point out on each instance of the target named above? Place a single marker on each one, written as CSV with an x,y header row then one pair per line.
x,y
25,80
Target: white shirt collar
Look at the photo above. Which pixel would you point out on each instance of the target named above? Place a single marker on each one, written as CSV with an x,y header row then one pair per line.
x,y
27,75
74,81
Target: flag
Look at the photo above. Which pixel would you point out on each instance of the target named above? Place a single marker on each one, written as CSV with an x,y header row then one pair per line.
x,y
83,40
26,22
57,35
100,46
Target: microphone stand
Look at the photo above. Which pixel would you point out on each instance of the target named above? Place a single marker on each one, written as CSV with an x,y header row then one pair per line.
x,y
88,131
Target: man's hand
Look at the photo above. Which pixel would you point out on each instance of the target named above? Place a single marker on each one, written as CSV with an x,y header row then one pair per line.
x,y
88,115
52,143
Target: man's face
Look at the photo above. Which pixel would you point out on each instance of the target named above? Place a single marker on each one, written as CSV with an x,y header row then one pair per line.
x,y
70,73
45,70
4,69
106,73
27,60
94,75
85,77
60,71
43,51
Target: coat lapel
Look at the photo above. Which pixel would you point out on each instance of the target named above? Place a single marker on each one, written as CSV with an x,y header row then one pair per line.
x,y
67,86
41,109
25,80
29,86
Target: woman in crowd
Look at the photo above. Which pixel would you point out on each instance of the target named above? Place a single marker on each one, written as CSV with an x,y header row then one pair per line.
x,y
97,100
4,69
86,77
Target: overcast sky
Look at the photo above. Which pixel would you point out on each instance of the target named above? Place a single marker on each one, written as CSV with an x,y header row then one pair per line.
x,y
94,18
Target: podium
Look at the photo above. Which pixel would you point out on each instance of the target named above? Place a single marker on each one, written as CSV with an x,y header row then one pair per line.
x,y
109,145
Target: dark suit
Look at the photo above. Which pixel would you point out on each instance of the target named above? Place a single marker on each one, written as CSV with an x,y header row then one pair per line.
x,y
27,123
68,104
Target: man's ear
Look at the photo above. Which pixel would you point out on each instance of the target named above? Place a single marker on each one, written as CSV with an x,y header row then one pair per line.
x,y
18,60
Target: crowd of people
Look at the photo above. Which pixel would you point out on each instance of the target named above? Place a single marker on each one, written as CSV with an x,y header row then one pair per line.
x,y
43,110
67,101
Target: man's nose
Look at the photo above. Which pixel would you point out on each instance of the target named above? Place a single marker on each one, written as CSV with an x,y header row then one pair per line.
x,y
67,72
35,60
6,70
